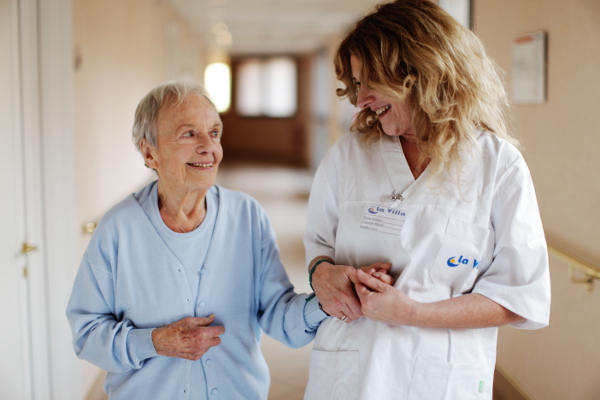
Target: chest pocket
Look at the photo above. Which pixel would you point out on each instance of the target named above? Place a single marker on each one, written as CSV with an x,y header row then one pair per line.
x,y
466,249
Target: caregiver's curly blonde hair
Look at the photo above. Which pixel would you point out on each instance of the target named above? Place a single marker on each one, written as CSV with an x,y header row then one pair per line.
x,y
413,50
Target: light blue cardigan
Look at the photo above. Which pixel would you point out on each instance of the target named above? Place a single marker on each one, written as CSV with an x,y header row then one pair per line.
x,y
129,282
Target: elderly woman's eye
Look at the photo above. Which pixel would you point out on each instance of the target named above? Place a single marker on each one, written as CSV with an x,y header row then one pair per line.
x,y
188,134
215,133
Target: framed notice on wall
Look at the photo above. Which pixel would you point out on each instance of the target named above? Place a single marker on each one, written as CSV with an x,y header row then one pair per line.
x,y
529,68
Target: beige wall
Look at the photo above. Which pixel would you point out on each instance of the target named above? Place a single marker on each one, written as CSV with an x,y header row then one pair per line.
x,y
562,144
122,49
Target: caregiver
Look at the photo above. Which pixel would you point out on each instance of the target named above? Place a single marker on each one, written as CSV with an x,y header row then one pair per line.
x,y
429,181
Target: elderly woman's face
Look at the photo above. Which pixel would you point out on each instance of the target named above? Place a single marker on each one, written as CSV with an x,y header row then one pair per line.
x,y
395,116
188,150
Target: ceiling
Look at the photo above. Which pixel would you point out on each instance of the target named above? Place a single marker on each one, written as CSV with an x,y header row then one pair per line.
x,y
269,26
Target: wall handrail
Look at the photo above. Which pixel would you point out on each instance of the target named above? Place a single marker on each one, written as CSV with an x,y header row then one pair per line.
x,y
590,273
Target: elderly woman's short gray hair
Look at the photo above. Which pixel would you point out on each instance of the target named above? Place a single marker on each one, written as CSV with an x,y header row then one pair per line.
x,y
168,94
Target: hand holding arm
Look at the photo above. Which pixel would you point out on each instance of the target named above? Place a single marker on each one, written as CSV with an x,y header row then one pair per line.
x,y
189,338
385,303
334,289
333,286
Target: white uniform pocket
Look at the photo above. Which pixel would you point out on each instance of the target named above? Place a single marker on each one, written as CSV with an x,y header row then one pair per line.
x,y
333,375
465,249
435,380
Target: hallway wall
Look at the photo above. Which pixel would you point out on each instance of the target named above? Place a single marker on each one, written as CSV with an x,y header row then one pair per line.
x,y
561,146
122,50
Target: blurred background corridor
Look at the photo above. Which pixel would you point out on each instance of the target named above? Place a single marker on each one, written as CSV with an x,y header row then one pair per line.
x,y
73,71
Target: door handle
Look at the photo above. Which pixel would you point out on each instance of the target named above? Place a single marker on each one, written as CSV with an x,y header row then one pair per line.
x,y
89,227
28,249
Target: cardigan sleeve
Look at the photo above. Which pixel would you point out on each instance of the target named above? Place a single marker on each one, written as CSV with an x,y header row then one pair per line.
x,y
99,335
284,315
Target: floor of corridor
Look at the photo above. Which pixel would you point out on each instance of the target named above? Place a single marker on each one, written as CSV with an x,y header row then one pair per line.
x,y
283,192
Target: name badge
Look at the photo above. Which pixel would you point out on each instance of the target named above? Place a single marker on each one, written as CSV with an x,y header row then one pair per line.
x,y
383,219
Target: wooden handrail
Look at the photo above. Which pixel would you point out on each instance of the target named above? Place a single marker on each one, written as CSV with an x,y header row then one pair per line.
x,y
590,273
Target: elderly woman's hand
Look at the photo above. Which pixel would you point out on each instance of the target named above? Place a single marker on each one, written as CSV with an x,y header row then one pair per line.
x,y
189,338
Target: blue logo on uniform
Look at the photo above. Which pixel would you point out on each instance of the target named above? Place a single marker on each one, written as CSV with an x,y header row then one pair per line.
x,y
453,262
375,210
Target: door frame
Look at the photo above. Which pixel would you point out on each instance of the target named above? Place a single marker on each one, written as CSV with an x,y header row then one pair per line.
x,y
61,258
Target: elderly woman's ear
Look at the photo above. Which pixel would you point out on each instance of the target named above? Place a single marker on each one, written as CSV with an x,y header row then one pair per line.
x,y
146,150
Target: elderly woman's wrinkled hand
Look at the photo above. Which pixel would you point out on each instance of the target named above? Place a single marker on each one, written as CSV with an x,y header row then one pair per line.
x,y
189,338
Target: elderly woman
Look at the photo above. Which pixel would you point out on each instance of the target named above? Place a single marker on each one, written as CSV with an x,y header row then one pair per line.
x,y
180,278
431,182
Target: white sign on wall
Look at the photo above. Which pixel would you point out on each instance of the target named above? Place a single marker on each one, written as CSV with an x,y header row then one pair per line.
x,y
529,68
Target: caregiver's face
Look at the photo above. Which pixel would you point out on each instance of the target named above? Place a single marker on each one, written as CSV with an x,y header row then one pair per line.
x,y
394,116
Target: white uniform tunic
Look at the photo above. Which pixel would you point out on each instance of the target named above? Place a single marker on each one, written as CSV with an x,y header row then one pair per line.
x,y
480,234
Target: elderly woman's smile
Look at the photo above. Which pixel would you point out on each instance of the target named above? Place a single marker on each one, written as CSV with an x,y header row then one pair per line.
x,y
201,165
188,149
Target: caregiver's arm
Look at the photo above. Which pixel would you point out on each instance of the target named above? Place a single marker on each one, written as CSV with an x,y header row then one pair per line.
x,y
386,303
